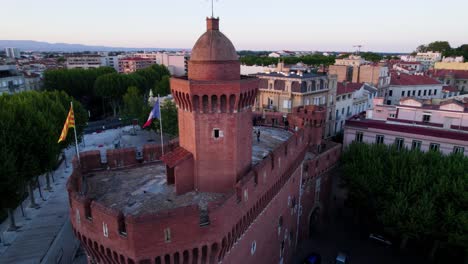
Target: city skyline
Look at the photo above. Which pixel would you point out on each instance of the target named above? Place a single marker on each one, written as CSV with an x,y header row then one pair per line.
x,y
259,25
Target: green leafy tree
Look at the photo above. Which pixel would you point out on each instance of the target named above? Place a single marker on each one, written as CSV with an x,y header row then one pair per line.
x,y
440,46
135,106
31,123
113,86
371,56
169,119
163,87
78,83
414,195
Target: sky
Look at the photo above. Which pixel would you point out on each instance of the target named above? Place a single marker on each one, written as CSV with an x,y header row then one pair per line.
x,y
385,26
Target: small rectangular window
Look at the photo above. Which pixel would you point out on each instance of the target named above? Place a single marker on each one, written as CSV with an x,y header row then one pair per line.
x,y
416,145
402,93
379,139
419,93
359,137
458,150
434,147
399,143
426,118
167,235
425,92
414,92
430,92
435,91
216,133
390,93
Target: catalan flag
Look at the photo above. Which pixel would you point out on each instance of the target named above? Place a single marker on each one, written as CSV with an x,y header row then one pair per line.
x,y
70,122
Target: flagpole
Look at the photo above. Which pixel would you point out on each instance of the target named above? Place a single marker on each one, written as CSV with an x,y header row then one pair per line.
x,y
160,125
76,138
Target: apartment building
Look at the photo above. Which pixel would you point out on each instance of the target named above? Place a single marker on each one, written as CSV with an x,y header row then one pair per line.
x,y
85,61
417,86
176,63
455,78
414,124
132,64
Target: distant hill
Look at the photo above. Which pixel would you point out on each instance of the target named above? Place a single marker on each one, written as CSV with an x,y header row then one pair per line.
x,y
31,45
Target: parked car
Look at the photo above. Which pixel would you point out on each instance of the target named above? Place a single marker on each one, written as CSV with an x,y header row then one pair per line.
x,y
313,258
341,258
380,239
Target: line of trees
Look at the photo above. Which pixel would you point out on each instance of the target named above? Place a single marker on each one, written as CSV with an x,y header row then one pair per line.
x,y
445,48
102,88
78,83
31,123
413,195
312,60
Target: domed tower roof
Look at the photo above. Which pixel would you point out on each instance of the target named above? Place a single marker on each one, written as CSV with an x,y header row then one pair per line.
x,y
213,45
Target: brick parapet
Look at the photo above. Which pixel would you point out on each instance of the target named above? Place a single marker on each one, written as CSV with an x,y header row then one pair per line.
x,y
263,177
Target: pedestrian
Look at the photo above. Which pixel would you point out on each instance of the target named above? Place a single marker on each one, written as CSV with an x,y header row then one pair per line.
x,y
258,135
286,124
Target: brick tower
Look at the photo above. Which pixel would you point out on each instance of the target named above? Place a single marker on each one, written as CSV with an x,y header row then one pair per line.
x,y
214,109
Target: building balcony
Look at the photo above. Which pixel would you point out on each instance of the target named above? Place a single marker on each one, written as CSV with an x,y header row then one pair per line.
x,y
271,108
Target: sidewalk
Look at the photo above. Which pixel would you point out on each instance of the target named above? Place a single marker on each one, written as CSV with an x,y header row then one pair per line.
x,y
31,242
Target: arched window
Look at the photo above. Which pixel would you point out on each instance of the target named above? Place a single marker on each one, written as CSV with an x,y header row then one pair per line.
x,y
223,103
205,103
232,103
196,103
214,104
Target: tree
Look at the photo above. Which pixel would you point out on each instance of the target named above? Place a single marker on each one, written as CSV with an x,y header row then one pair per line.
x,y
78,83
163,86
113,86
31,123
371,56
135,106
421,48
413,195
439,46
169,119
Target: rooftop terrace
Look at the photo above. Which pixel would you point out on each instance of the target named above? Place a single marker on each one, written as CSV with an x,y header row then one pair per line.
x,y
144,189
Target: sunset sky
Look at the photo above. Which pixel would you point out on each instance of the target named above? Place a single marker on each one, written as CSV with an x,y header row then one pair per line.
x,y
394,26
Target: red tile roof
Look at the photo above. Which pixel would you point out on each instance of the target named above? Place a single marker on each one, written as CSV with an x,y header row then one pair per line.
x,y
410,62
458,74
343,88
176,156
135,59
406,79
440,133
449,89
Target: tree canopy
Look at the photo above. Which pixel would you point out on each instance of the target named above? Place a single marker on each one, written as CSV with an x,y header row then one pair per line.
x,y
102,88
371,56
412,194
78,83
445,48
31,124
312,60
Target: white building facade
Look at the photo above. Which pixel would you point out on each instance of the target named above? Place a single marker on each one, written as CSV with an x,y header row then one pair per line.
x,y
415,86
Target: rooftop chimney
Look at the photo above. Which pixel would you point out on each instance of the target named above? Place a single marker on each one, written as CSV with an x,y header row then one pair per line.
x,y
212,23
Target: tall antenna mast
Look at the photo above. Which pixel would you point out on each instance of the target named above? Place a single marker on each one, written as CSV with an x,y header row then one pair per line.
x,y
212,8
358,51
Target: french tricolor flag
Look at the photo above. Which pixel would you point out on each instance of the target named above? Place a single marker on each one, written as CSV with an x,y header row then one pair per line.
x,y
155,113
